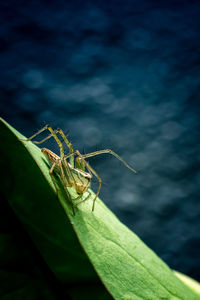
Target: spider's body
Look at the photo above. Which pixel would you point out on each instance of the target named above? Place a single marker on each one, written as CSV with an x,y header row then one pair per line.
x,y
75,177
71,167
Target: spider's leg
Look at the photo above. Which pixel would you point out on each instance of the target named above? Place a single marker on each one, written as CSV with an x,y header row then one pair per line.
x,y
38,142
67,170
109,152
42,141
53,134
65,183
80,177
86,198
95,174
77,198
51,174
69,145
35,134
89,171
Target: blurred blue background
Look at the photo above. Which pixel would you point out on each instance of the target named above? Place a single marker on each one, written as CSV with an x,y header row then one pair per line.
x,y
123,75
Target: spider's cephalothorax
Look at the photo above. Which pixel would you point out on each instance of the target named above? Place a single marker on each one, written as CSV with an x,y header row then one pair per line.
x,y
72,167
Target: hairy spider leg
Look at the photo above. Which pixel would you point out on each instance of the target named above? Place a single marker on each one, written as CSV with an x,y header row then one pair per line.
x,y
69,145
37,133
109,152
51,174
86,198
64,180
52,177
53,134
90,169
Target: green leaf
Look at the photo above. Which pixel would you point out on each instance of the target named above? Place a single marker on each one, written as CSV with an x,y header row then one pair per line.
x,y
126,266
191,283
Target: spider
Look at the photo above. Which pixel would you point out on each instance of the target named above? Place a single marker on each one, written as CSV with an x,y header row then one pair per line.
x,y
73,168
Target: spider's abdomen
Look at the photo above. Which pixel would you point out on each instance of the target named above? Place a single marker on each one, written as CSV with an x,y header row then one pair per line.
x,y
80,180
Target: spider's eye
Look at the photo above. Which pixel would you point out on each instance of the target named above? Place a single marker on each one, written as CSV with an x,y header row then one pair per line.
x,y
79,164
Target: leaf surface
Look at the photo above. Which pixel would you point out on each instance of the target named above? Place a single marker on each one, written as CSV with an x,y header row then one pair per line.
x,y
126,266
